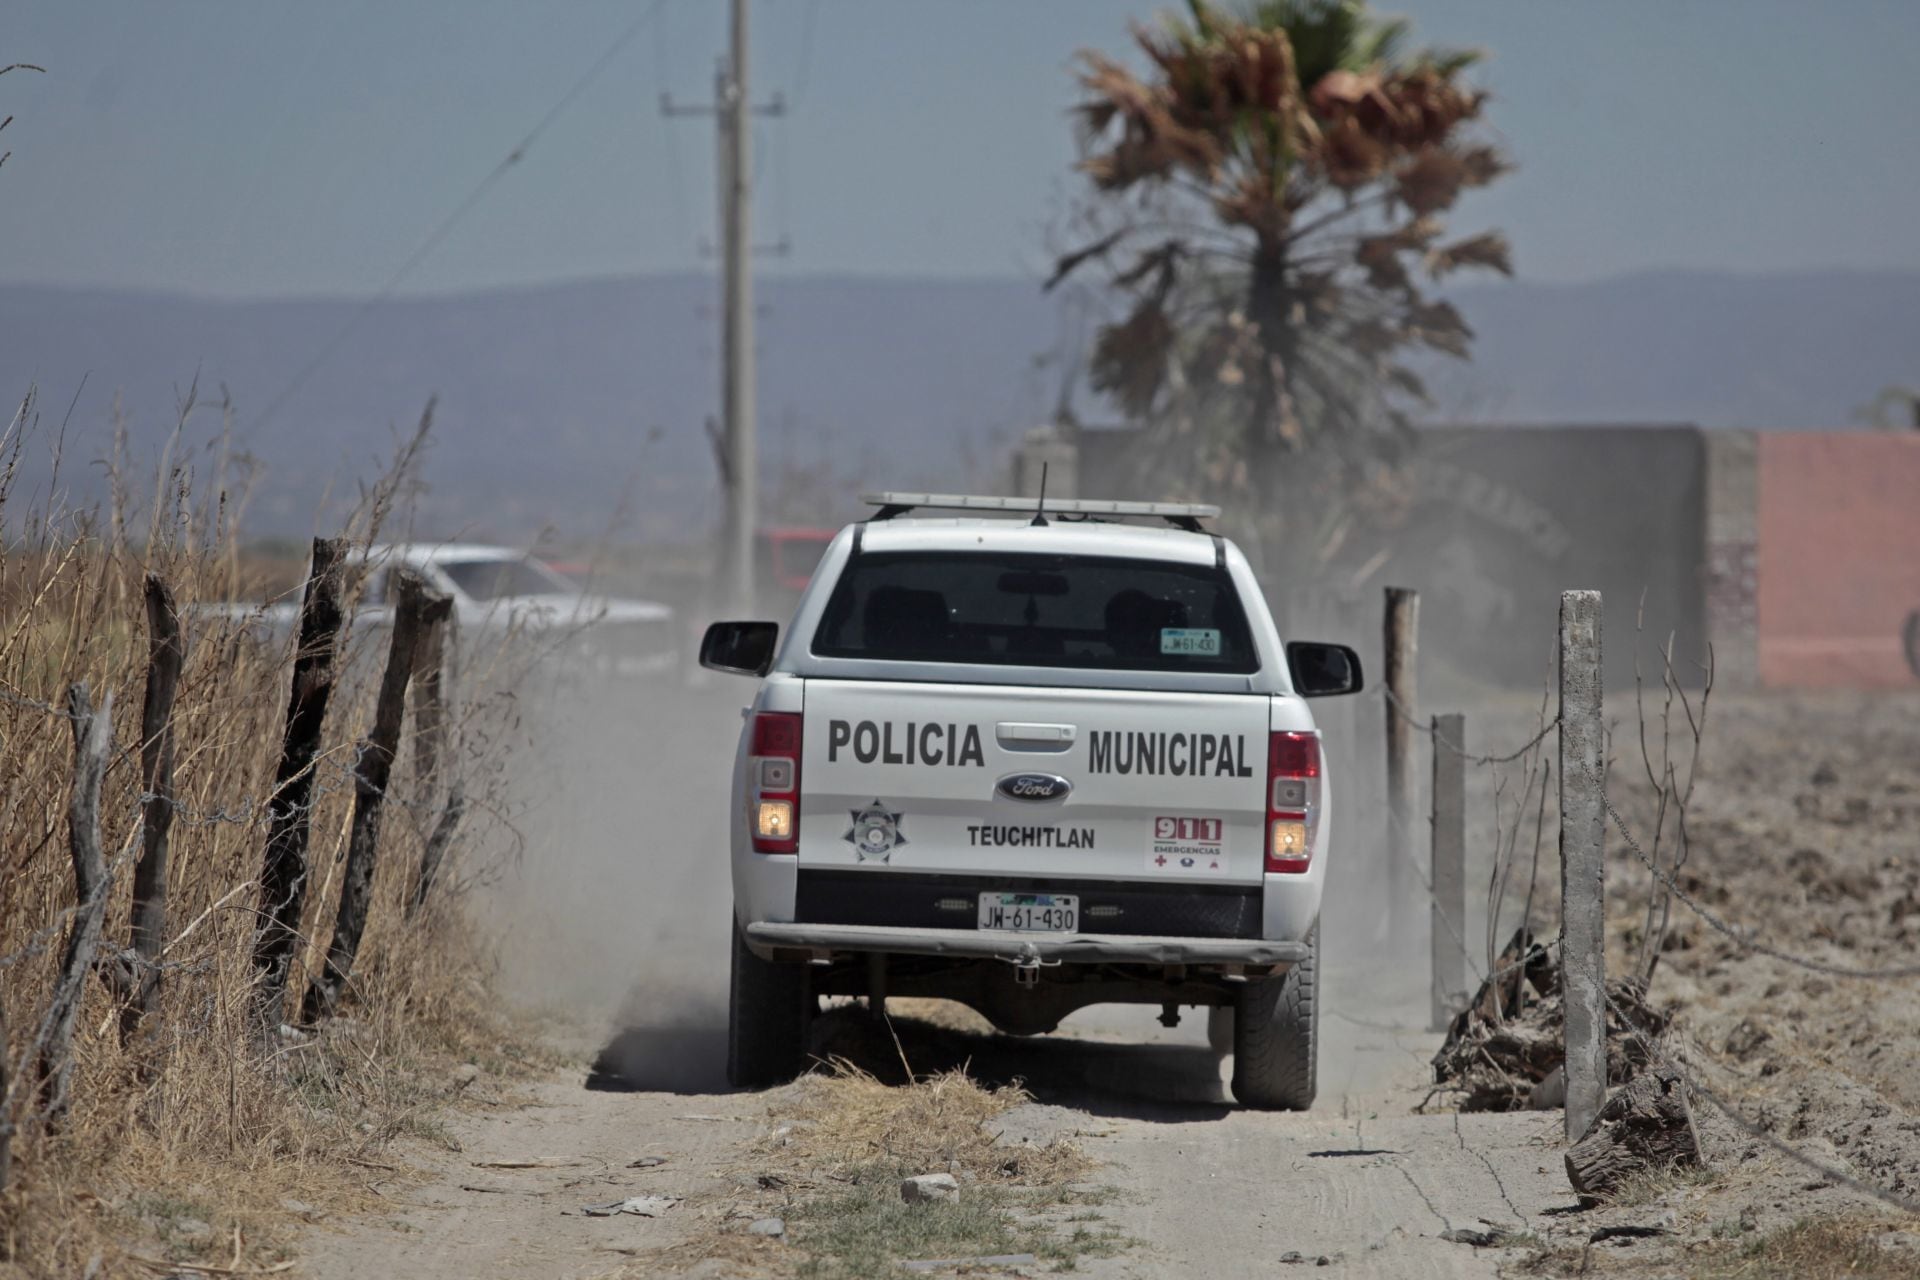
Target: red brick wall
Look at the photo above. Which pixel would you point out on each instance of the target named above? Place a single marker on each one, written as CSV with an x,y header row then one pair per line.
x,y
1839,556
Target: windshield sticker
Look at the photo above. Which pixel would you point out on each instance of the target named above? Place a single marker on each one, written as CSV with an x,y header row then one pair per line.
x,y
1188,844
875,832
1201,641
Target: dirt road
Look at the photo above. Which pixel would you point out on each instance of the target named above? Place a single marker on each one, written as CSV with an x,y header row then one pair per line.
x,y
620,916
1203,1186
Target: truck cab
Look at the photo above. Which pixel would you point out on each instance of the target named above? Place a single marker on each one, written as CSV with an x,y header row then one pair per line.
x,y
1031,760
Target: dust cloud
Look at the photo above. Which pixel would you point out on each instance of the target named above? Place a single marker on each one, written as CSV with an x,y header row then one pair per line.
x,y
616,918
616,915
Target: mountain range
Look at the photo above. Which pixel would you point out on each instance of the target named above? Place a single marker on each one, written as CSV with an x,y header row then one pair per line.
x,y
580,406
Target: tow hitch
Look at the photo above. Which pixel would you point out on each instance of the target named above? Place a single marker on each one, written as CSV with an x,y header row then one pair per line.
x,y
1027,966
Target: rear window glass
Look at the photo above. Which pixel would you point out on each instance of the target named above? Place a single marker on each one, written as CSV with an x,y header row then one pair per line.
x,y
1036,611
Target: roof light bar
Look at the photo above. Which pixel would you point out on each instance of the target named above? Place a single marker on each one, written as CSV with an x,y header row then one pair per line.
x,y
1184,514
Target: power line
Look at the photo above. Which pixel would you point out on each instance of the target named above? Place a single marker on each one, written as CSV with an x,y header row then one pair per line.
x,y
805,70
460,211
662,71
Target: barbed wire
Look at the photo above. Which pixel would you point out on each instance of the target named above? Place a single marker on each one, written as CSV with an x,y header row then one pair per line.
x,y
1745,939
247,813
38,942
1733,1114
1433,900
33,704
1454,748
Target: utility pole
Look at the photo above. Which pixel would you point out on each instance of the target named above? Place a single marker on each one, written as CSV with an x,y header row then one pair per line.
x,y
733,113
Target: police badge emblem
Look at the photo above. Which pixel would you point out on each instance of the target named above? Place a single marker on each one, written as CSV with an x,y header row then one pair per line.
x,y
875,832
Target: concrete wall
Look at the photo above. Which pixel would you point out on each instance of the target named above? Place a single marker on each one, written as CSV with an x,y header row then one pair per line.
x,y
1795,555
1509,517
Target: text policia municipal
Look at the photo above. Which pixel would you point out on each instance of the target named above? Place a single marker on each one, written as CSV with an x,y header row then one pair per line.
x,y
1220,755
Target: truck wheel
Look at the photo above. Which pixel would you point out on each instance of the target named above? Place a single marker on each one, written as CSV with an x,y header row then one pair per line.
x,y
1276,1034
767,1018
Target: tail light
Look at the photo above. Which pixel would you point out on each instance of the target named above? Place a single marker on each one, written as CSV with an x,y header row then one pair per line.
x,y
773,782
1293,800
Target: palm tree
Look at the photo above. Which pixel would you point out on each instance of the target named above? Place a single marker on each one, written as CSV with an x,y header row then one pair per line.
x,y
1267,203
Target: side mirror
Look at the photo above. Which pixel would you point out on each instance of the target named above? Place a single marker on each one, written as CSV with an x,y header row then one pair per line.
x,y
1322,670
741,648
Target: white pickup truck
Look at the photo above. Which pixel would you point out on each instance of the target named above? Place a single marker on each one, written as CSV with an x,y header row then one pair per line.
x,y
497,593
1031,764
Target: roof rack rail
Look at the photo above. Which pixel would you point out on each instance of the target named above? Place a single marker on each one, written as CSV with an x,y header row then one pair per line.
x,y
1181,515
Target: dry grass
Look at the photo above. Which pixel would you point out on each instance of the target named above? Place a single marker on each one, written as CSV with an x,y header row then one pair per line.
x,y
1855,1248
847,1119
1849,1247
184,1142
841,1140
1649,1186
831,1169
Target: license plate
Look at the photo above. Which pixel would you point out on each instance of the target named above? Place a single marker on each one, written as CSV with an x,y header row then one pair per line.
x,y
1030,912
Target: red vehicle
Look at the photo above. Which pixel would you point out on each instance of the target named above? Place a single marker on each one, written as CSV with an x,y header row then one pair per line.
x,y
785,557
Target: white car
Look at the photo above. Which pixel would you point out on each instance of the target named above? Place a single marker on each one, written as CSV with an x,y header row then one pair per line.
x,y
1031,764
499,592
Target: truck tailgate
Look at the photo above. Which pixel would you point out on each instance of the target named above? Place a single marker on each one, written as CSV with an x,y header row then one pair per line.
x,y
999,780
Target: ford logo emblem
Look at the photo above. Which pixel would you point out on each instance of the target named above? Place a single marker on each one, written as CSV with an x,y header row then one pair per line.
x,y
1033,787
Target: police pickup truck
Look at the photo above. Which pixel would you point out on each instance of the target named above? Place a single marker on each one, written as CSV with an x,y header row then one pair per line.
x,y
1031,764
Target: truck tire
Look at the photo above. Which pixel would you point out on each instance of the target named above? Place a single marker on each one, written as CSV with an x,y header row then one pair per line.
x,y
767,1018
1276,1038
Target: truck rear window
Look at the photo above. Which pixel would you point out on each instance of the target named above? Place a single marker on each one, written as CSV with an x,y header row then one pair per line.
x,y
1036,611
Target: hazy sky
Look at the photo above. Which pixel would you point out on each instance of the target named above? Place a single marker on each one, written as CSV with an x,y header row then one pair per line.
x,y
263,148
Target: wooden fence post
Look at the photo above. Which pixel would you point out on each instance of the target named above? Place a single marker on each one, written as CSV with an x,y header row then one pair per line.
x,y
283,875
166,650
1583,968
437,844
1449,909
6,1103
433,694
1401,647
372,770
430,691
92,741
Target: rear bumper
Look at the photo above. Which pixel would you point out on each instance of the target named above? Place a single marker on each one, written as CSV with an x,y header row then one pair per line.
x,y
1021,948
946,903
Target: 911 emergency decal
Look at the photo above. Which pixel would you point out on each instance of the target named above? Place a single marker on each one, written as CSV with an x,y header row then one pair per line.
x,y
1188,844
1223,755
909,743
875,832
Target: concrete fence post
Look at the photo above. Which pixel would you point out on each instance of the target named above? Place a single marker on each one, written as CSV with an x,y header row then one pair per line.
x,y
1583,969
1449,906
1401,646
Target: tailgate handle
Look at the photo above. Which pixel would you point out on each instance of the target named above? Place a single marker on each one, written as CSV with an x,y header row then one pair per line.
x,y
1035,737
